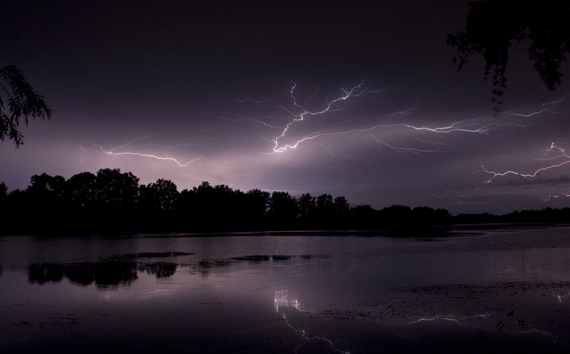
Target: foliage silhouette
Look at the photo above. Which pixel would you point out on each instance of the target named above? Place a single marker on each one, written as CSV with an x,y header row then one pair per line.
x,y
493,25
113,202
156,202
306,204
80,189
3,190
283,210
18,100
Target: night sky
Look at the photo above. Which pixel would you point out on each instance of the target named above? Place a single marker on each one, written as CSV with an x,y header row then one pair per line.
x,y
359,99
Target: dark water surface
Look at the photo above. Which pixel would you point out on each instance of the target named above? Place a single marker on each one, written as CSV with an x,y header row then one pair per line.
x,y
495,291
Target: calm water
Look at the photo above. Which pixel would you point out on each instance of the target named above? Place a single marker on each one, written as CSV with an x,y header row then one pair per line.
x,y
289,294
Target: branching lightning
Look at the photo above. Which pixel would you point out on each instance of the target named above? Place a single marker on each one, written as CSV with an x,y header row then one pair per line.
x,y
333,113
553,146
552,158
560,153
359,121
292,121
330,107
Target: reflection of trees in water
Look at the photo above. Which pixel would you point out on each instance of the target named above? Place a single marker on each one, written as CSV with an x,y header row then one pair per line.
x,y
159,269
122,270
105,275
124,257
521,265
45,273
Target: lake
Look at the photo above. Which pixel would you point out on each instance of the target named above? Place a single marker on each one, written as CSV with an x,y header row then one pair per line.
x,y
466,291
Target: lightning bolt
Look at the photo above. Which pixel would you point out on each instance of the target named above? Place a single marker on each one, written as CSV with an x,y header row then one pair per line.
x,y
546,110
129,144
451,191
403,149
437,318
534,173
553,146
154,157
560,155
547,198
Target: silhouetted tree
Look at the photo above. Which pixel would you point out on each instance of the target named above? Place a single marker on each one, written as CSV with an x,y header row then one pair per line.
x,y
202,198
341,207
208,208
324,213
156,204
113,188
3,190
226,202
443,216
427,216
80,189
307,204
3,196
203,206
396,216
113,202
79,197
524,216
116,200
160,195
255,204
493,25
45,184
283,210
44,201
15,212
183,208
18,100
324,203
364,217
483,218
3,199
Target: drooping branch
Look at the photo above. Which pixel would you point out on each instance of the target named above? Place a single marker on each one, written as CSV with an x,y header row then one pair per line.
x,y
493,25
18,100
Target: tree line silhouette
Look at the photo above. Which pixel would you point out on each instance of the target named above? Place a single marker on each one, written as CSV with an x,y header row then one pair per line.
x,y
114,202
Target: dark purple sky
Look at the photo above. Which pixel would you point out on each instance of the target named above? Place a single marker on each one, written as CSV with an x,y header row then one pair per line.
x,y
148,86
